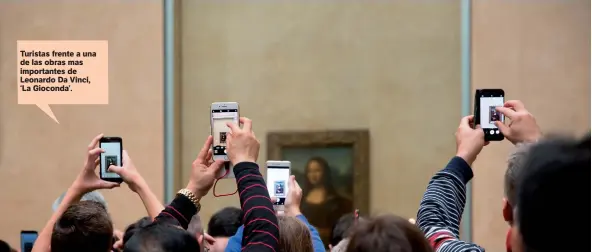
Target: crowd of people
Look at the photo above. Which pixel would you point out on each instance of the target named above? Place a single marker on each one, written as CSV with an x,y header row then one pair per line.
x,y
546,177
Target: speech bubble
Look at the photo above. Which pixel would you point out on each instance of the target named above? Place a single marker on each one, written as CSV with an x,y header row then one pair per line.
x,y
59,72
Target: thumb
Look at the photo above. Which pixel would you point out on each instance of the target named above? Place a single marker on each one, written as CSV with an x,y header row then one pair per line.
x,y
502,127
115,168
273,199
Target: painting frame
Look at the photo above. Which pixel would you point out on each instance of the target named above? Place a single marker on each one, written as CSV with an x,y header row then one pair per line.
x,y
358,140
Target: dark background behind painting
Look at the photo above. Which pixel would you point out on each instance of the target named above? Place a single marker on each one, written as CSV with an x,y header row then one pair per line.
x,y
340,163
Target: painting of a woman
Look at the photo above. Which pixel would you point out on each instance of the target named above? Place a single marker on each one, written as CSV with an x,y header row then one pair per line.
x,y
321,203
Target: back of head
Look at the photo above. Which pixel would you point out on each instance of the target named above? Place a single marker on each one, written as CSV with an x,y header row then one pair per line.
x,y
4,247
294,235
195,226
225,222
160,237
551,193
515,163
342,229
95,196
134,227
387,233
84,226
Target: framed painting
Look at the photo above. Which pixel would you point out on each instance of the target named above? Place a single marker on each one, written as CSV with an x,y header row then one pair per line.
x,y
331,167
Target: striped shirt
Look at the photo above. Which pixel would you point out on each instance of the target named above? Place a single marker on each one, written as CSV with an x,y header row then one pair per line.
x,y
261,231
442,206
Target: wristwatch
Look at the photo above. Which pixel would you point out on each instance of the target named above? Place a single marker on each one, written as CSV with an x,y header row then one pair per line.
x,y
187,193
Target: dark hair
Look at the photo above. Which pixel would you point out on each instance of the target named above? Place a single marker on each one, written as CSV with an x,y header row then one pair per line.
x,y
84,226
134,227
552,187
225,222
388,233
4,247
162,237
325,179
343,228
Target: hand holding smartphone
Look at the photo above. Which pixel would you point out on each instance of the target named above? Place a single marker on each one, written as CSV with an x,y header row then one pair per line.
x,y
222,113
28,239
486,101
278,174
113,154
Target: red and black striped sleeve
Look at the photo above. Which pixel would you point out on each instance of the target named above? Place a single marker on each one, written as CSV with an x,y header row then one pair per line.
x,y
178,213
261,231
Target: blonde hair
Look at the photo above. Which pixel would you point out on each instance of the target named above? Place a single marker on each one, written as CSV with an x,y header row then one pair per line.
x,y
294,235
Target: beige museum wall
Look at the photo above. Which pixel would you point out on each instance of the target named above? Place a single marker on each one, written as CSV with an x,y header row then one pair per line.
x,y
392,67
538,53
39,158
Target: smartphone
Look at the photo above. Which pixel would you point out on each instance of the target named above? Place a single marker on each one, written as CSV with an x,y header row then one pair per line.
x,y
27,240
486,100
113,147
278,174
220,114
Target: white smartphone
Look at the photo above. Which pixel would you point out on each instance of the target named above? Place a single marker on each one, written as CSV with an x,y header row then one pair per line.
x,y
222,113
278,174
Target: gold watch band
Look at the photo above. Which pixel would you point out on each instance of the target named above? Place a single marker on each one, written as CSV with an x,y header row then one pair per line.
x,y
187,193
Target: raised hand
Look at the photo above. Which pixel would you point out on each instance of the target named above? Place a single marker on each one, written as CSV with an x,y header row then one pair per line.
x,y
292,204
129,173
242,145
469,141
522,127
204,170
88,180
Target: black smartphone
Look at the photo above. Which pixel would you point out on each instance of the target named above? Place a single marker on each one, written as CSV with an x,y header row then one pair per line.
x,y
486,100
28,240
113,147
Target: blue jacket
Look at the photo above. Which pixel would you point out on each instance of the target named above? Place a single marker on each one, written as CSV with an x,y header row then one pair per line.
x,y
234,243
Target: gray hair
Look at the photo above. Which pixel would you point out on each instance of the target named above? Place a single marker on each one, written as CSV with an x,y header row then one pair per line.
x,y
515,163
341,246
91,196
195,226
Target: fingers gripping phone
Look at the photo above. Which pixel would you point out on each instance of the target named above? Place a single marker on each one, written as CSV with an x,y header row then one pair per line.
x,y
486,100
222,113
27,240
113,148
278,174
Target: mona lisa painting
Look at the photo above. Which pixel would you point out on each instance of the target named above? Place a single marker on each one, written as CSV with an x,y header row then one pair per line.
x,y
332,169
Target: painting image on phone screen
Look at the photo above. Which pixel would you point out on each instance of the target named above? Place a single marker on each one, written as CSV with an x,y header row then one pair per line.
x,y
277,182
488,113
111,156
220,130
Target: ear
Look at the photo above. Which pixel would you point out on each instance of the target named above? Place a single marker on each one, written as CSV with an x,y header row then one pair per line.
x,y
330,247
507,211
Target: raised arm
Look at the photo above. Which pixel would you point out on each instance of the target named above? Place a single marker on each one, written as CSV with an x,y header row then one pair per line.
x,y
86,181
261,229
137,184
186,203
442,205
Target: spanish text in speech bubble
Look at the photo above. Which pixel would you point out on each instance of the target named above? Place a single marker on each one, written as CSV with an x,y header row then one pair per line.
x,y
62,72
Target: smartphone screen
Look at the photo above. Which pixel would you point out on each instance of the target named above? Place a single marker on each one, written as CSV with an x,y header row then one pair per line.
x,y
222,113
111,156
489,99
27,240
278,174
